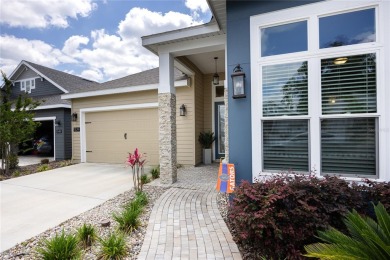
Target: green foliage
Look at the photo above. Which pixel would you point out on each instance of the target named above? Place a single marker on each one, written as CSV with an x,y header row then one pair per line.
x,y
60,247
145,179
16,121
141,198
277,217
13,161
86,235
367,240
65,163
43,167
113,247
206,139
128,218
155,172
16,173
45,161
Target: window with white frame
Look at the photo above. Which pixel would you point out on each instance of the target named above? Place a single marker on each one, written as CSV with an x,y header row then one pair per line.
x,y
316,88
27,85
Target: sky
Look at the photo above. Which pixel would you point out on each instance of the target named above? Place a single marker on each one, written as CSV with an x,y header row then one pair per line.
x,y
96,39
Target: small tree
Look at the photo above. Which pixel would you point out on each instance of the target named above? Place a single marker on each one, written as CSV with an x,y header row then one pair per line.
x,y
136,162
16,122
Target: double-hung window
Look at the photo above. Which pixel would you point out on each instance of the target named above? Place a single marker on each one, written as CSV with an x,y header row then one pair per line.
x,y
318,89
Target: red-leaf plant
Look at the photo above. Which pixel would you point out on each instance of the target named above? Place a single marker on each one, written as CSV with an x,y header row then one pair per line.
x,y
136,161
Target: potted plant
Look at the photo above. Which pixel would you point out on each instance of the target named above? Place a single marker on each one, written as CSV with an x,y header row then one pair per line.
x,y
206,139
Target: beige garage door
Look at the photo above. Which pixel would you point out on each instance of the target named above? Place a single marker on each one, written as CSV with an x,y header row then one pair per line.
x,y
111,135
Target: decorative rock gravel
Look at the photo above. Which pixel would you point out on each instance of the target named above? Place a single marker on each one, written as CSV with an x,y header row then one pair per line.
x,y
95,216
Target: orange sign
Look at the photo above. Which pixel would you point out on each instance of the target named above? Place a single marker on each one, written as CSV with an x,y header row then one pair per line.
x,y
226,178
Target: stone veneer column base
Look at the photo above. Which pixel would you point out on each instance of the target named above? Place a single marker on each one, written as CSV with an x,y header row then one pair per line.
x,y
167,137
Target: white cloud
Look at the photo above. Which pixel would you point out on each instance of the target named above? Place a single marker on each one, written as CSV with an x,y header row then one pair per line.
x,y
42,14
197,5
72,44
13,50
101,55
139,21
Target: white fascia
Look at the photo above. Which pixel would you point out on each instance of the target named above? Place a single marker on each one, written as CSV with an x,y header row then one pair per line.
x,y
180,34
53,106
178,83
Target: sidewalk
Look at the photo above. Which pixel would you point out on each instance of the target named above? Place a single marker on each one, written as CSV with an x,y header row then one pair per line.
x,y
185,222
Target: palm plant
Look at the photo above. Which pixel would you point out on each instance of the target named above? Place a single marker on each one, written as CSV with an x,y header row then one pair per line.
x,y
206,139
368,239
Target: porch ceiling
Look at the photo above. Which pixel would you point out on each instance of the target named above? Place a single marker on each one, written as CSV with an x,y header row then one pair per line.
x,y
205,61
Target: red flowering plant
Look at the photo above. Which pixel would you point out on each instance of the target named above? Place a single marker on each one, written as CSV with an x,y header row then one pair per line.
x,y
136,161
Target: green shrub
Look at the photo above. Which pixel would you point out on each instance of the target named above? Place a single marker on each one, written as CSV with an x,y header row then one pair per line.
x,y
368,239
86,235
60,247
16,173
113,247
13,161
145,179
155,172
43,167
128,219
141,198
45,161
65,163
277,217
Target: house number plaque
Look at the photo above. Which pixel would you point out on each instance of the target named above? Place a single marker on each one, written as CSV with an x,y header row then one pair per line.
x,y
76,129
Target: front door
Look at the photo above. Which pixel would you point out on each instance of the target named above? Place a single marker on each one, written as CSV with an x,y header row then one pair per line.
x,y
219,126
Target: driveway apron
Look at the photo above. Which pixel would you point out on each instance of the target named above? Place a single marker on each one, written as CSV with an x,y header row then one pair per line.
x,y
32,204
185,222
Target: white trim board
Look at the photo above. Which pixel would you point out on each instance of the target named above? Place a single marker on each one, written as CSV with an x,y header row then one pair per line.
x,y
178,83
53,106
83,141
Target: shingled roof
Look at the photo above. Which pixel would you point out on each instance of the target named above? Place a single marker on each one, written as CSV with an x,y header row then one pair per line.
x,y
67,81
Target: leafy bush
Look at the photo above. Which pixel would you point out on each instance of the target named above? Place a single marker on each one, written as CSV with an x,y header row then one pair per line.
x,y
206,139
43,167
113,247
277,217
145,179
13,161
141,198
155,173
86,235
45,161
128,219
16,173
368,240
62,246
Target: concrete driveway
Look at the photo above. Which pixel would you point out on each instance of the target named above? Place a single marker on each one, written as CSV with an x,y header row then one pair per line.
x,y
34,203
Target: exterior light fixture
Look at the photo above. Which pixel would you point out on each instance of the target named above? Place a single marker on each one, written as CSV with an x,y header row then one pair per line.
x,y
340,61
74,117
183,110
238,78
216,76
58,123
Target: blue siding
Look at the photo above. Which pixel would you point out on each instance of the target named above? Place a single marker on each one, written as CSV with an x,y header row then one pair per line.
x,y
238,52
42,88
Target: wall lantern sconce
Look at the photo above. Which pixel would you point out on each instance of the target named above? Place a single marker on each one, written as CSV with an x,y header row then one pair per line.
x,y
238,78
216,76
58,123
183,110
74,117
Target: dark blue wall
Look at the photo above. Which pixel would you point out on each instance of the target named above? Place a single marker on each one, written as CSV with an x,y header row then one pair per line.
x,y
238,52
42,88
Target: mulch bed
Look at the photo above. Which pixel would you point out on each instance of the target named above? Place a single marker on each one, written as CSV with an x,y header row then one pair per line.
x,y
34,168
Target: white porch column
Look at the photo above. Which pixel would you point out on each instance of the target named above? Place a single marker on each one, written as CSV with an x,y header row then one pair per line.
x,y
167,120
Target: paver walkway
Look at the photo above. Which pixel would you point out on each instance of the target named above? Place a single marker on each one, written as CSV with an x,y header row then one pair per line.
x,y
185,222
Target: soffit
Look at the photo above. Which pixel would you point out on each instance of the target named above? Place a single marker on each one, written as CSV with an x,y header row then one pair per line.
x,y
218,9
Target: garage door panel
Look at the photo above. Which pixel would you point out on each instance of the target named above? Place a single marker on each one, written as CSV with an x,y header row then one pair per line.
x,y
105,135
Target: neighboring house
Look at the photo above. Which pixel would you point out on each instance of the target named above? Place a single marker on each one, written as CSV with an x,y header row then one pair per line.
x,y
46,85
316,86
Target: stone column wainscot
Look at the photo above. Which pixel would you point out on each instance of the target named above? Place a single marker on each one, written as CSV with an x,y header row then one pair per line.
x,y
167,137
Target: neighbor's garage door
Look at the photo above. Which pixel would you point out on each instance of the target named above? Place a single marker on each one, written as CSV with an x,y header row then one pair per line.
x,y
111,135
